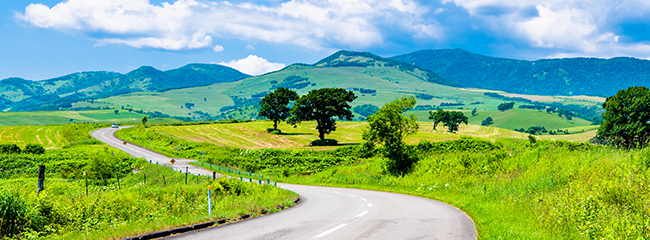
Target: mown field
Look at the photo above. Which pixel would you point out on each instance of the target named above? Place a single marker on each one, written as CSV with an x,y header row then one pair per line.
x,y
512,188
63,117
253,135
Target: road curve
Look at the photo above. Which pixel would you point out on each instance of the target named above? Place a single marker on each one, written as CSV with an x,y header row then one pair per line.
x,y
332,213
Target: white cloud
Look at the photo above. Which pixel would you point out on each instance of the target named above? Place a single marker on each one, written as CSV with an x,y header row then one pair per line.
x,y
254,65
190,24
218,48
250,47
570,28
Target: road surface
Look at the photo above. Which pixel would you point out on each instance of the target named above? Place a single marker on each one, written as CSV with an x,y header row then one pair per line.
x,y
331,213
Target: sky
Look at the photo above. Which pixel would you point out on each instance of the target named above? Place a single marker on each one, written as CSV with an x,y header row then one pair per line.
x,y
42,39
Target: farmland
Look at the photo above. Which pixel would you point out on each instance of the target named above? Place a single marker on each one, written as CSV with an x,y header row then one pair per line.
x,y
63,117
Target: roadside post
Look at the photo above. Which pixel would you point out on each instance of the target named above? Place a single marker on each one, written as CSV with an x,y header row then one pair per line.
x,y
186,171
41,177
209,201
201,158
151,143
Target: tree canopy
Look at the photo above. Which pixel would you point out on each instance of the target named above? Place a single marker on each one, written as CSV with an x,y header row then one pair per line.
x,y
274,105
487,121
323,105
625,122
506,106
389,127
450,119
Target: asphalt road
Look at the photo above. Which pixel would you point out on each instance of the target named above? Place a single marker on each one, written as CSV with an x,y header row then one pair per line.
x,y
332,213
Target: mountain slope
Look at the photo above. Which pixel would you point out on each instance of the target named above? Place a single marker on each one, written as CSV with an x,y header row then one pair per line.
x,y
569,76
23,95
375,80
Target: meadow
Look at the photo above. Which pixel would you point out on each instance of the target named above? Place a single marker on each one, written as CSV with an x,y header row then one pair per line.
x,y
64,117
512,188
125,196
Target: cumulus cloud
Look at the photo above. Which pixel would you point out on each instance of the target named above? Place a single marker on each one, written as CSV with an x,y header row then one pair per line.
x,y
569,28
217,48
190,24
253,65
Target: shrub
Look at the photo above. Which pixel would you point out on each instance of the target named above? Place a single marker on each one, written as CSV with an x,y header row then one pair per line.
x,y
324,142
274,131
33,148
9,148
13,214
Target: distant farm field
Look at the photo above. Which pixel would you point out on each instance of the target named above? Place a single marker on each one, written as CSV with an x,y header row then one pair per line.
x,y
63,117
253,135
48,136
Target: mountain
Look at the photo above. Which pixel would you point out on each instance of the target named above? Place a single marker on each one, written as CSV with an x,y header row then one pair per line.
x,y
375,80
24,95
568,76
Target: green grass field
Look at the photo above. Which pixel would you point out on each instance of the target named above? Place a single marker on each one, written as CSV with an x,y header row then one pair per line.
x,y
63,117
48,136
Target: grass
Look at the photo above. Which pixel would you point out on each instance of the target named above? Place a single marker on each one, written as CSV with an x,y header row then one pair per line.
x,y
548,191
63,117
111,210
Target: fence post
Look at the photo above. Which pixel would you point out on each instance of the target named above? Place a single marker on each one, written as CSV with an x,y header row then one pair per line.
x,y
186,175
41,177
164,181
86,176
118,180
214,176
145,178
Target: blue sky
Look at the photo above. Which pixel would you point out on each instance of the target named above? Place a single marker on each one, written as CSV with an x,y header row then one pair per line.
x,y
50,38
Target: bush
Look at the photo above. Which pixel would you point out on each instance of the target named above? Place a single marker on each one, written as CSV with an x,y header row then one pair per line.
x,y
13,214
324,142
9,148
273,131
33,148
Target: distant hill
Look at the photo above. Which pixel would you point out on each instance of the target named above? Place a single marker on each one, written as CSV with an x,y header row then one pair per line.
x,y
568,76
375,80
17,94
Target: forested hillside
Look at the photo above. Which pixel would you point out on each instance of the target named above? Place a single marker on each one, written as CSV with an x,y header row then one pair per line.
x,y
18,94
568,76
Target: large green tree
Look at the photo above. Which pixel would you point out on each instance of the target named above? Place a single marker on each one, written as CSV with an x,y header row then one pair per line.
x,y
450,119
389,126
625,122
323,105
275,104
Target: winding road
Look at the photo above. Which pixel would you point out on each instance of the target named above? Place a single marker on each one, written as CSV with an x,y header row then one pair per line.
x,y
329,213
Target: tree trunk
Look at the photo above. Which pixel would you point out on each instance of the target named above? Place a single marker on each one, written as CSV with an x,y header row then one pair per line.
x,y
321,134
275,125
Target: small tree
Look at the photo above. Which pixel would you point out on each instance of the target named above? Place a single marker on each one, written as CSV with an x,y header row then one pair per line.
x,y
388,126
451,119
116,111
33,148
144,121
626,121
506,106
487,121
474,112
323,105
274,105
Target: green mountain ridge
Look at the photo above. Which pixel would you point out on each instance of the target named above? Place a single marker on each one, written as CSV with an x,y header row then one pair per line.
x,y
374,79
567,76
54,94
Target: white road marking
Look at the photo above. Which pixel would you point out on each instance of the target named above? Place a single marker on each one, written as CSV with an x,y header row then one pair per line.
x,y
337,192
364,199
369,204
361,214
351,195
330,231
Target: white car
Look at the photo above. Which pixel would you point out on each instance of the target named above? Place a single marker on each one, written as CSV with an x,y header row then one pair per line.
x,y
115,125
